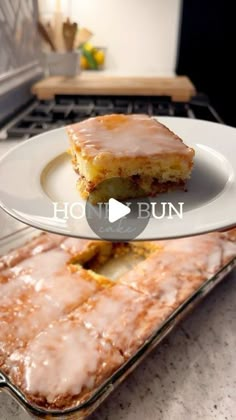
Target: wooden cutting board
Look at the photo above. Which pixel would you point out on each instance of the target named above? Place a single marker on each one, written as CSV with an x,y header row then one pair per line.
x,y
180,88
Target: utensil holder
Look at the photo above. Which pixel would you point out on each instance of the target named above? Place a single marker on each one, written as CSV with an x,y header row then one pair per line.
x,y
62,63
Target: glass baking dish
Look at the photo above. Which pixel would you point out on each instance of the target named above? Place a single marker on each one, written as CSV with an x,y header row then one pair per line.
x,y
83,410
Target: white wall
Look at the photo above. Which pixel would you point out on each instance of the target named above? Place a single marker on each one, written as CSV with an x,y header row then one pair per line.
x,y
141,35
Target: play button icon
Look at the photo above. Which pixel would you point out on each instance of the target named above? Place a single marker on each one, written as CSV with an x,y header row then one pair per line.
x,y
116,210
115,220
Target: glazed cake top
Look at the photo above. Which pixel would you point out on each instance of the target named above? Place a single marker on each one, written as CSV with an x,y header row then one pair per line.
x,y
127,136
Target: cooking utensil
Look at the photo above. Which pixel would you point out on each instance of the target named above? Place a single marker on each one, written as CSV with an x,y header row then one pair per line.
x,y
58,24
50,31
83,36
69,31
45,35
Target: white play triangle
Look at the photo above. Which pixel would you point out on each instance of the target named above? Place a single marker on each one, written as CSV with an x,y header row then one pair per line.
x,y
116,210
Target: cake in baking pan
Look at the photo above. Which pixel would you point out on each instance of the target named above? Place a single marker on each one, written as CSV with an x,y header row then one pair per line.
x,y
66,326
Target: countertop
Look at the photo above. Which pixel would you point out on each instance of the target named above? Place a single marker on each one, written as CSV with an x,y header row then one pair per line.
x,y
179,88
190,376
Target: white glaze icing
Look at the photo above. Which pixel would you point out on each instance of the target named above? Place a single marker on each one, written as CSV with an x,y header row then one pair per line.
x,y
74,245
61,360
165,276
30,272
39,266
37,245
209,251
32,269
40,299
169,290
122,135
66,288
116,314
65,360
229,250
104,310
184,264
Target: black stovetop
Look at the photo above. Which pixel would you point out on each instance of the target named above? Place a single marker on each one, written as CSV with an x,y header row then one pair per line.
x,y
40,116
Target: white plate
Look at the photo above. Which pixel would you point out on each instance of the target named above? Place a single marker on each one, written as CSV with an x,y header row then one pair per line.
x,y
38,172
